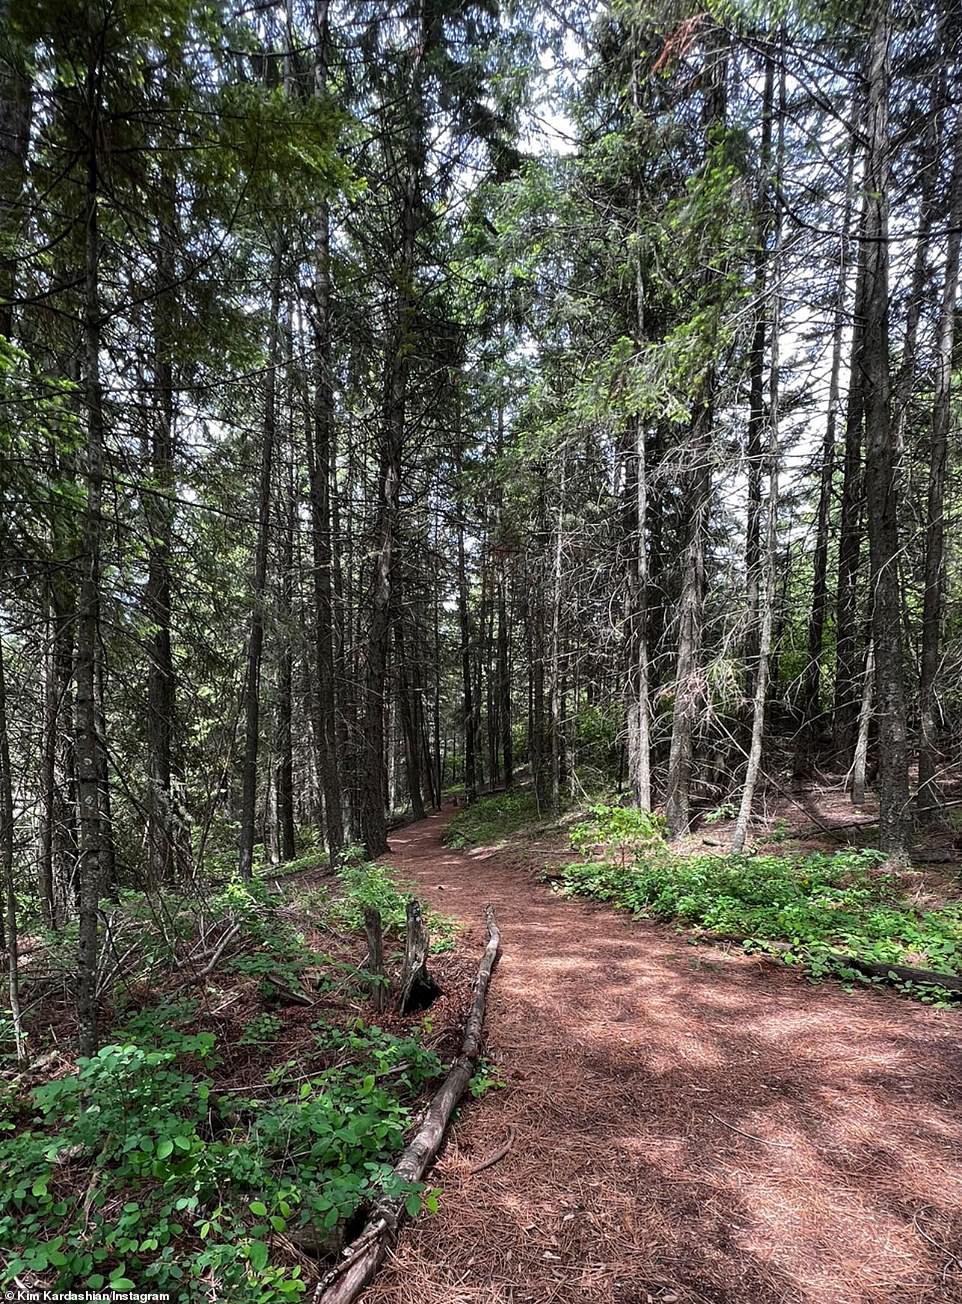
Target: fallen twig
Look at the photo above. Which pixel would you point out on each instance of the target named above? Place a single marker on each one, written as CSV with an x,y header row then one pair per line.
x,y
782,1145
221,947
496,1157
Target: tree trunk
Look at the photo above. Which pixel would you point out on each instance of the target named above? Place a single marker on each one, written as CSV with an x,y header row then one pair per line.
x,y
397,367
464,625
59,839
375,958
755,454
89,786
928,792
320,464
539,742
284,735
691,605
847,661
690,618
928,172
860,759
416,988
881,459
406,701
769,557
810,704
555,686
504,682
255,639
8,925
162,842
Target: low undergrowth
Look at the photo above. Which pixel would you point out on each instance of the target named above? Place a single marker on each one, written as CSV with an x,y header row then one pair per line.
x,y
363,884
817,903
491,820
134,1173
150,1167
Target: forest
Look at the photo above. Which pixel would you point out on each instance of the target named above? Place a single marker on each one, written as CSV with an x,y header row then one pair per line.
x,y
469,455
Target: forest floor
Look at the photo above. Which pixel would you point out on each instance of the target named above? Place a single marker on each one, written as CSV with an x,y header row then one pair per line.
x,y
687,1125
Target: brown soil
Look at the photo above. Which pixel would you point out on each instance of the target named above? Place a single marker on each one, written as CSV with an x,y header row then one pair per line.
x,y
689,1125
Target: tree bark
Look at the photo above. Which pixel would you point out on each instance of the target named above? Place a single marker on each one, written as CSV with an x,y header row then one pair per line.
x,y
320,464
416,987
162,841
881,459
88,744
284,732
406,701
397,367
769,557
555,694
934,566
690,619
504,682
847,661
691,604
255,638
58,833
810,704
755,453
860,759
464,627
375,958
8,925
539,742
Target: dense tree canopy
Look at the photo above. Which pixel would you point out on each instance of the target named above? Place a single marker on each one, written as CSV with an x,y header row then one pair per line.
x,y
398,397
408,401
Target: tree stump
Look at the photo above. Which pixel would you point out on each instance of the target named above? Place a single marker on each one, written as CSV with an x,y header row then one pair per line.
x,y
417,989
375,958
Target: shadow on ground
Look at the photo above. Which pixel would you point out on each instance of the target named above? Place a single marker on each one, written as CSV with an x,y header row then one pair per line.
x,y
689,1124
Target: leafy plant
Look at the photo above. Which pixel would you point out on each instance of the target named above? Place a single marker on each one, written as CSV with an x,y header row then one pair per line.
x,y
818,903
367,885
279,950
486,1078
492,819
725,811
780,831
132,1176
261,1030
624,830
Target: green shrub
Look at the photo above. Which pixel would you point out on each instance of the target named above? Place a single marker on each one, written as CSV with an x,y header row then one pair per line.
x,y
817,903
624,830
132,1176
261,1030
492,819
367,885
596,733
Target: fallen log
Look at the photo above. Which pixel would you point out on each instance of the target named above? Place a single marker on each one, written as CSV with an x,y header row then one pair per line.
x,y
904,973
344,1283
284,992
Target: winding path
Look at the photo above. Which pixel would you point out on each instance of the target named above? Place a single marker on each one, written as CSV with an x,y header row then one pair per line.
x,y
690,1126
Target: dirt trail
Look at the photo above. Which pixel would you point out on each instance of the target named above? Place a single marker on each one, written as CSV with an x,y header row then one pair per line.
x,y
690,1125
